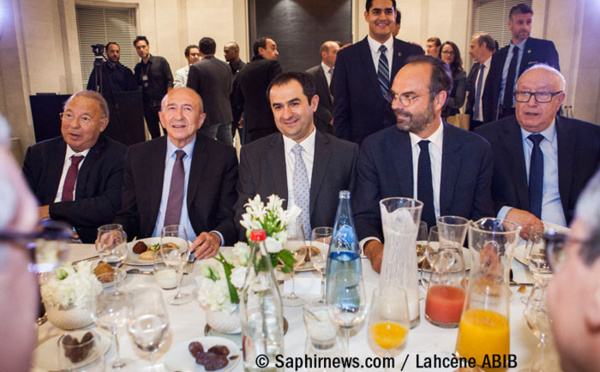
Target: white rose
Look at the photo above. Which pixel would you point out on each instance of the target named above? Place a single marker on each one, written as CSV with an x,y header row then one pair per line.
x,y
273,245
238,276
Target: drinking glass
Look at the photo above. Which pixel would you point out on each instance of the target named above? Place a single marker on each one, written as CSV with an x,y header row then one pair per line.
x,y
389,320
538,320
165,276
321,334
296,244
76,355
174,249
110,310
347,301
536,258
422,236
111,244
321,238
148,323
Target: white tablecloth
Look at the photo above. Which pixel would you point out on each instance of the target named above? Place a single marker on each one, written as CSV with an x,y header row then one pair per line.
x,y
188,321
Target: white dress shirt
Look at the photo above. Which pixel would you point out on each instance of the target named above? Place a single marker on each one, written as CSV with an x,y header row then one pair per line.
x,y
328,73
181,76
486,70
374,47
66,164
308,155
552,209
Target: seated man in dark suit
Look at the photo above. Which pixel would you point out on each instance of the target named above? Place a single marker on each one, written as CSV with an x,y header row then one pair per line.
x,y
447,168
304,166
183,178
541,161
322,74
77,177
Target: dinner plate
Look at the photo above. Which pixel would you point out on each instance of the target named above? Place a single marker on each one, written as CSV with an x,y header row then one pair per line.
x,y
133,259
308,265
180,359
45,355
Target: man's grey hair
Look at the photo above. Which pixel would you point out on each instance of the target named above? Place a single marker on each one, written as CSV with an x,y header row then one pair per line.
x,y
543,66
588,211
94,96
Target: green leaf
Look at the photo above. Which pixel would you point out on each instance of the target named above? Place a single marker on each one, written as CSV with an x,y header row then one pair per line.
x,y
227,267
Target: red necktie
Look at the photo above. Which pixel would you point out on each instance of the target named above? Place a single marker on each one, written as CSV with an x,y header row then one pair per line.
x,y
69,186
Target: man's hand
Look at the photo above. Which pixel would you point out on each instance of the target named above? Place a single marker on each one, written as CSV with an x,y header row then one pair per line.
x,y
44,212
374,252
526,220
206,245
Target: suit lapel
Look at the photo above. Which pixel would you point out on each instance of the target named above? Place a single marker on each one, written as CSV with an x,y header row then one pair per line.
x,y
320,164
155,173
56,162
451,160
199,160
88,163
369,67
398,59
566,149
322,83
401,151
513,145
278,169
526,58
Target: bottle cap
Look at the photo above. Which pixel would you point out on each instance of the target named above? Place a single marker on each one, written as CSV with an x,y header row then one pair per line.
x,y
258,235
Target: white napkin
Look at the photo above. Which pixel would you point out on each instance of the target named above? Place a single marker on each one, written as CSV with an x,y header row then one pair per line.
x,y
304,285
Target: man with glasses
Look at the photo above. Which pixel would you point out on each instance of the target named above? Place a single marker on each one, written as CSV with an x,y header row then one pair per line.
x,y
77,177
447,168
192,54
541,161
573,294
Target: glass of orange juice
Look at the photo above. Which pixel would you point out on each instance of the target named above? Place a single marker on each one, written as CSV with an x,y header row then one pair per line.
x,y
389,320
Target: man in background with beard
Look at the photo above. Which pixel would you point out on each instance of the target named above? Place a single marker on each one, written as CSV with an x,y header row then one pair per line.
x,y
422,157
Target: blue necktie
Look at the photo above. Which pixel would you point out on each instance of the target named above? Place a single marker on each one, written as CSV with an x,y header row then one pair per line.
x,y
383,71
536,176
425,185
478,90
301,189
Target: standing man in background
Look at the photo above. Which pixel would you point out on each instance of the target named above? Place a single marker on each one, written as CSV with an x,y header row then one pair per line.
x,y
482,48
322,75
433,47
115,76
192,54
231,51
153,76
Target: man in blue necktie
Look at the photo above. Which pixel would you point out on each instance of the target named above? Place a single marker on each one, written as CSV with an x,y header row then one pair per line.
x,y
541,161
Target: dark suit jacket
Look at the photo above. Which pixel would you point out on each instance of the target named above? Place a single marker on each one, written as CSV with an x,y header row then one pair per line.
x,y
578,159
535,51
212,79
323,114
235,110
263,171
98,187
385,169
211,191
471,86
359,106
252,95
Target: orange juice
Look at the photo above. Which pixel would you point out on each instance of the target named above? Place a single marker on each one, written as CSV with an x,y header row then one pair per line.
x,y
483,332
388,335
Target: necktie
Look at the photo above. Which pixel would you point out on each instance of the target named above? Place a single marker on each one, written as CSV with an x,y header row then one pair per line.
x,y
383,71
330,72
478,90
71,178
301,189
536,176
425,184
509,87
175,201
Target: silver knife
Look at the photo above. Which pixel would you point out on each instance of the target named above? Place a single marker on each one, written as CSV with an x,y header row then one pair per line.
x,y
189,266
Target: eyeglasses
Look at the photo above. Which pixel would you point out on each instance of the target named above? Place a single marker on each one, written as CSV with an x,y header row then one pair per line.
x,y
556,244
69,117
405,99
540,97
448,52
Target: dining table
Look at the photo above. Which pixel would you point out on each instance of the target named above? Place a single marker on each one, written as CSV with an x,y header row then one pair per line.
x,y
188,321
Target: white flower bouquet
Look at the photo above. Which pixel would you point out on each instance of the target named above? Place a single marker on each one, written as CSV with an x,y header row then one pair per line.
x,y
71,286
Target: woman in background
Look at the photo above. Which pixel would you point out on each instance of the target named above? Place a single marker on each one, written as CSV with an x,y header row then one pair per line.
x,y
451,55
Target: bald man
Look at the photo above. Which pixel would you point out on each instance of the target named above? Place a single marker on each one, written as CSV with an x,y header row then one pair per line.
x,y
231,52
322,74
541,161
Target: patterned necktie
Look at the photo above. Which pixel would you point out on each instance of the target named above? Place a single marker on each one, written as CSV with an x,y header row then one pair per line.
x,y
536,176
478,90
425,185
383,71
175,201
509,87
301,189
71,178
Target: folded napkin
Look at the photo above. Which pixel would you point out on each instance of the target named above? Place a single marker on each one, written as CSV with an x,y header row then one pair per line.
x,y
304,285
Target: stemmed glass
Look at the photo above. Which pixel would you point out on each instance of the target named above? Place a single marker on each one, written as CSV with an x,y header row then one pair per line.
x,y
389,320
347,301
174,249
296,244
111,244
321,238
148,323
538,320
422,236
110,310
536,261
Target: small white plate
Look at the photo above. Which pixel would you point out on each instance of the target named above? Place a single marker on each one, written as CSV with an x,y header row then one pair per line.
x,y
179,357
45,355
133,259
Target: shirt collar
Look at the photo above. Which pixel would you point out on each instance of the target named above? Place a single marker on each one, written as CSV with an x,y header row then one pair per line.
x,y
308,144
488,63
326,68
71,152
548,133
435,138
188,149
374,44
521,45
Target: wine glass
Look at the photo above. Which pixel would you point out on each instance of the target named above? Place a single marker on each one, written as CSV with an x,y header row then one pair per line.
x,y
296,244
321,238
347,301
148,323
110,310
538,320
174,249
80,355
389,320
